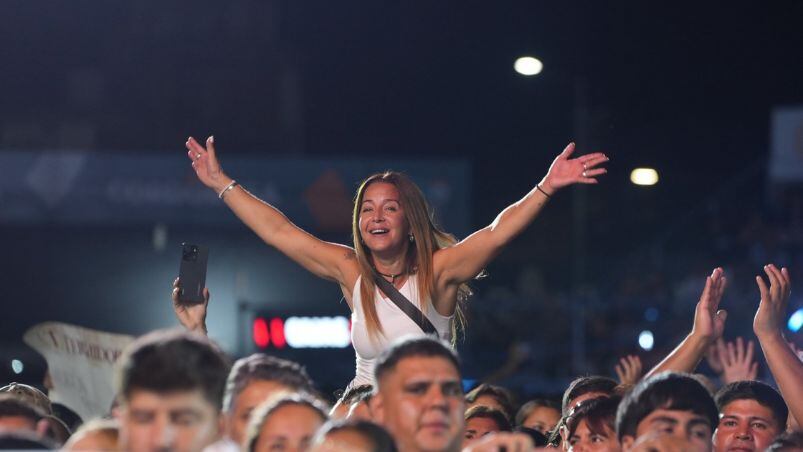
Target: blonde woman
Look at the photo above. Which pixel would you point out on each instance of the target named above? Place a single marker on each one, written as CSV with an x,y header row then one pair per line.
x,y
395,237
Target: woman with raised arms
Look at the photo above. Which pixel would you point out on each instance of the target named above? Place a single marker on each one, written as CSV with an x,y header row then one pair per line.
x,y
395,239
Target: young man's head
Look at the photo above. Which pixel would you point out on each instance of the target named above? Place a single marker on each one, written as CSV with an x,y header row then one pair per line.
x,y
491,396
170,388
751,415
419,395
584,388
18,416
670,404
253,380
482,420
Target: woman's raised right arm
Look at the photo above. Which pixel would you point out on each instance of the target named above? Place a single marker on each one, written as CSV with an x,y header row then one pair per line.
x,y
328,260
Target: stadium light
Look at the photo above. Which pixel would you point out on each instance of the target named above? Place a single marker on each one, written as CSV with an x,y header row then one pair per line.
x,y
795,321
644,176
646,340
528,66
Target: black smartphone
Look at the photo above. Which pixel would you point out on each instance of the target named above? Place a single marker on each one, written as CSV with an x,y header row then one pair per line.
x,y
192,273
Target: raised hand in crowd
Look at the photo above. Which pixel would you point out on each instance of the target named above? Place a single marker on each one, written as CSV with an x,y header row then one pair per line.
x,y
785,366
629,369
733,360
192,316
709,323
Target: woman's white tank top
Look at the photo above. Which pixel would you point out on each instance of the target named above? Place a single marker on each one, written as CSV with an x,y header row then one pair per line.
x,y
395,324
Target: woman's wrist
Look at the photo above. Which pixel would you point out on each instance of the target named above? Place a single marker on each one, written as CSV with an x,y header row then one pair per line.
x,y
546,187
221,183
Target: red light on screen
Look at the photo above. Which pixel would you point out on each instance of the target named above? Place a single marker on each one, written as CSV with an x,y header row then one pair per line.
x,y
261,335
277,332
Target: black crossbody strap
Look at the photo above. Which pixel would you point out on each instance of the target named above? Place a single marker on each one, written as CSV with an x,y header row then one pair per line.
x,y
405,305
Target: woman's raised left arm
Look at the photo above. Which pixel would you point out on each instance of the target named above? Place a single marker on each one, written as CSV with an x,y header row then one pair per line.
x,y
463,261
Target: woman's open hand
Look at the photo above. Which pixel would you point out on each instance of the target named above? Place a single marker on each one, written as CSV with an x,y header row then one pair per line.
x,y
205,164
581,170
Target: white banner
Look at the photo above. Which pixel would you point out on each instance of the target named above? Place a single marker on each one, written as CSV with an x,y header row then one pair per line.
x,y
81,364
786,161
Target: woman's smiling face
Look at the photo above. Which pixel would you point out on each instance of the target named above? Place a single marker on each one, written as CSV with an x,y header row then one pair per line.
x,y
383,224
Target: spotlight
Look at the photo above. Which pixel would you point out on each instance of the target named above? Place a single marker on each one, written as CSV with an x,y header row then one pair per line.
x,y
528,66
795,321
645,340
644,176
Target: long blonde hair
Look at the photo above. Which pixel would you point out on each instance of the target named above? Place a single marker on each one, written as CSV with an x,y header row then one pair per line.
x,y
428,238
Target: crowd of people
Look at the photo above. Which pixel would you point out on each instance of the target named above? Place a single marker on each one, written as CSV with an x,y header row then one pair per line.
x,y
177,390
404,280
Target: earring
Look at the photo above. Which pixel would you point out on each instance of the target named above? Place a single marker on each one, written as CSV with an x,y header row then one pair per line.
x,y
412,238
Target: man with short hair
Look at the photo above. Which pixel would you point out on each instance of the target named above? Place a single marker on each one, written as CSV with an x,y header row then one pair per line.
x,y
751,415
17,415
419,395
671,404
253,380
584,388
170,388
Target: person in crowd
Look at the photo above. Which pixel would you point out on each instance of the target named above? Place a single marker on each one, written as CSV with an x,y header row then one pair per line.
x,y
492,396
708,326
252,380
542,415
751,415
18,415
787,442
768,324
394,239
346,435
670,404
24,440
419,395
539,439
344,403
628,370
57,430
482,420
361,406
591,426
733,360
286,422
170,388
584,388
503,442
97,434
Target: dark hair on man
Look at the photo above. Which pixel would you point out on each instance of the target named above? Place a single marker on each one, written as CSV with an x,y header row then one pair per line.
x,y
498,393
356,394
270,406
668,391
12,406
486,412
410,346
762,393
262,367
380,439
598,413
173,361
584,385
527,409
787,442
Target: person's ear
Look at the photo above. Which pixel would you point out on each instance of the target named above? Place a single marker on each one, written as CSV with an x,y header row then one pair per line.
x,y
627,442
377,408
42,428
222,422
